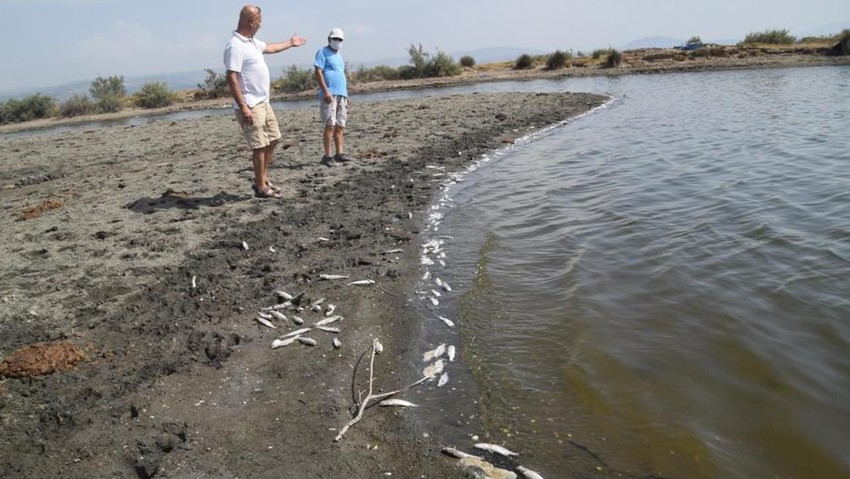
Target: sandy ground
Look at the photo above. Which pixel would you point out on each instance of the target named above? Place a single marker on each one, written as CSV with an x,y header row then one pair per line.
x,y
104,232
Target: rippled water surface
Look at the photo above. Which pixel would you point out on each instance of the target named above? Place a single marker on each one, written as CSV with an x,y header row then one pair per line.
x,y
663,286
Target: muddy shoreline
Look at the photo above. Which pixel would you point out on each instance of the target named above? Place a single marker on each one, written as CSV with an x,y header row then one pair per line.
x,y
129,244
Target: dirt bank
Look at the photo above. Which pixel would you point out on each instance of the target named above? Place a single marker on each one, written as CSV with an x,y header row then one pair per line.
x,y
143,249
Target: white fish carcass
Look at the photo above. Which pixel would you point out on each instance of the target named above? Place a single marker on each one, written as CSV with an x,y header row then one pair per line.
x,y
528,473
434,353
450,353
330,320
396,403
277,343
265,322
495,448
433,370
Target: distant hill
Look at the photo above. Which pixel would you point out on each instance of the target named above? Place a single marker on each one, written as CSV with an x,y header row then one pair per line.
x,y
654,42
175,81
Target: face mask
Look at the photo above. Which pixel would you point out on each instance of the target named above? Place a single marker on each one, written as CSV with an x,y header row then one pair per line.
x,y
335,44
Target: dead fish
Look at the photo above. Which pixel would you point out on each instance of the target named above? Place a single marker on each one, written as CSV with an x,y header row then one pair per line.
x,y
495,448
362,282
448,321
194,284
283,294
528,473
426,275
331,277
318,302
396,403
278,343
434,353
278,315
245,246
330,310
265,322
450,352
316,308
307,341
436,293
392,251
264,315
337,343
379,348
328,329
450,451
323,239
298,320
295,333
443,284
434,300
330,320
278,307
433,370
443,380
426,260
272,250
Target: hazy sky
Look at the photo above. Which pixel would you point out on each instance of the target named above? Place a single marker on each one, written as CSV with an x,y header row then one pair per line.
x,y
50,42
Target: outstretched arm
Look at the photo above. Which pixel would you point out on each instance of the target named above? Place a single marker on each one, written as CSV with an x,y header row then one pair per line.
x,y
295,41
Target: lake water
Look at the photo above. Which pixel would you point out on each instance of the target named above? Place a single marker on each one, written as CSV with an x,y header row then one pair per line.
x,y
660,288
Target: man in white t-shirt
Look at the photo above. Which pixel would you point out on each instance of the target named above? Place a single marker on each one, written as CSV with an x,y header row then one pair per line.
x,y
250,85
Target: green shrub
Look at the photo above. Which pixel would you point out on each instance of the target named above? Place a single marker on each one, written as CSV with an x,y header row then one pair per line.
x,y
154,95
523,62
423,65
557,60
407,72
614,59
467,61
442,65
844,42
377,73
109,104
214,85
600,52
296,80
107,87
33,107
770,37
75,106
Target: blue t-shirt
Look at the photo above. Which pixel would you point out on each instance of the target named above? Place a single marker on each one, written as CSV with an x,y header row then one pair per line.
x,y
333,69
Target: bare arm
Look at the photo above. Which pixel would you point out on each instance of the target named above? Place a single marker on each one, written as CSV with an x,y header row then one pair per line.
x,y
320,78
236,93
295,41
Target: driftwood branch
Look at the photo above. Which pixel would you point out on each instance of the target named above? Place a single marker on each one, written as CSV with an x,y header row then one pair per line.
x,y
376,348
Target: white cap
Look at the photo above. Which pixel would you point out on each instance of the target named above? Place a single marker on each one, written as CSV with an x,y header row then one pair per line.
x,y
336,33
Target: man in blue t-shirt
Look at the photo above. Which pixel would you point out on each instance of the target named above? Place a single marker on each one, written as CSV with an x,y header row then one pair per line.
x,y
333,96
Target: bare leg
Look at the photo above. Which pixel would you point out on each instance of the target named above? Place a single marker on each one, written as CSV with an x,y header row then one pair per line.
x,y
326,139
338,141
258,159
268,159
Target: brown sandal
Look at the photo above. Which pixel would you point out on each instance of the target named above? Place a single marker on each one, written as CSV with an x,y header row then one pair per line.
x,y
267,192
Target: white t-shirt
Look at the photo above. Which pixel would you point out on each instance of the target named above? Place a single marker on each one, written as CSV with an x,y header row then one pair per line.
x,y
245,56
